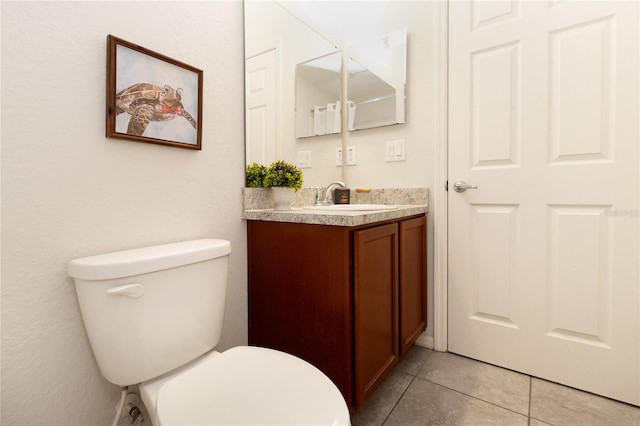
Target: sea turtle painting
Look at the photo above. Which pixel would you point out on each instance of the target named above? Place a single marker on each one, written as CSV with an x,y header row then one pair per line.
x,y
147,102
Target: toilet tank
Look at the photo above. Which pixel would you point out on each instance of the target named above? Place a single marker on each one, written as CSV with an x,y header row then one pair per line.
x,y
150,310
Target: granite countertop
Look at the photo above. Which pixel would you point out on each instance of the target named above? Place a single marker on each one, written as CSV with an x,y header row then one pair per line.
x,y
409,202
335,218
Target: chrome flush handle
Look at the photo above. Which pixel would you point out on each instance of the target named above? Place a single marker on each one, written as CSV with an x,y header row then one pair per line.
x,y
133,290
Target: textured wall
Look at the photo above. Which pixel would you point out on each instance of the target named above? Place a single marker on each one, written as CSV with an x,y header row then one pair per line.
x,y
68,192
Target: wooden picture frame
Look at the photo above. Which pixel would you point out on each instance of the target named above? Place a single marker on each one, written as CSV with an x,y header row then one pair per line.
x,y
152,98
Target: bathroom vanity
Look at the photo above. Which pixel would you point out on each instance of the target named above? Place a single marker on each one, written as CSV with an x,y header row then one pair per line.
x,y
346,292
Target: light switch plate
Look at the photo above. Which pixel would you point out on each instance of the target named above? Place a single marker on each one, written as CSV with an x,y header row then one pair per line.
x,y
396,151
338,156
304,159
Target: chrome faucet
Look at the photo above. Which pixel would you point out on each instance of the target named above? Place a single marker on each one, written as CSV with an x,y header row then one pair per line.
x,y
328,199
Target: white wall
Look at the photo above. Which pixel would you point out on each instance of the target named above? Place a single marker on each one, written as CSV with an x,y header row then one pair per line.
x,y
67,191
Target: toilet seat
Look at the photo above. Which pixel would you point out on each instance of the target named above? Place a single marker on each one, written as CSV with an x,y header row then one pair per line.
x,y
251,386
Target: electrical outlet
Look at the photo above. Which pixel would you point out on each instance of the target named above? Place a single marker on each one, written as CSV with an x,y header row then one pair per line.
x,y
338,156
352,155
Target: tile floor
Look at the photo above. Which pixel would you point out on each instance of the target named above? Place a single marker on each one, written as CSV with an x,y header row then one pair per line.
x,y
435,388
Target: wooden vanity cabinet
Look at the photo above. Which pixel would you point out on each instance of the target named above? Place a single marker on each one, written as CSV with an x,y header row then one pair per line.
x,y
413,279
335,296
375,282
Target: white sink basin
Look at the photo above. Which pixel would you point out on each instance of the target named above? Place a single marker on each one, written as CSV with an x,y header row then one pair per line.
x,y
352,207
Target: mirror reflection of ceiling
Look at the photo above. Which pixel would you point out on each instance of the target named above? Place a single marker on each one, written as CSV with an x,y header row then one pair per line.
x,y
377,98
376,81
327,18
384,56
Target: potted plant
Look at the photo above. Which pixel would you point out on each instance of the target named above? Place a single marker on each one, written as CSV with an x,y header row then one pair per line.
x,y
284,179
255,174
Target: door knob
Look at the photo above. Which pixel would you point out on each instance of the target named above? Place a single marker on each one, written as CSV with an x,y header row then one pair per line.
x,y
461,186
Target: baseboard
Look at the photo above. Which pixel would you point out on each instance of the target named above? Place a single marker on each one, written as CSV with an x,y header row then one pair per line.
x,y
425,341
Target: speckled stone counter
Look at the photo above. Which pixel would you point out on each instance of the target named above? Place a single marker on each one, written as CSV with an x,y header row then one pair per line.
x,y
410,202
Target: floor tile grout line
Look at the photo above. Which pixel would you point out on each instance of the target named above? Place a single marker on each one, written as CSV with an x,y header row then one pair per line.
x,y
471,396
528,416
407,388
532,377
398,401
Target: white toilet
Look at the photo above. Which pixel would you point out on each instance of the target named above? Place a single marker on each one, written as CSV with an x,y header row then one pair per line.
x,y
154,315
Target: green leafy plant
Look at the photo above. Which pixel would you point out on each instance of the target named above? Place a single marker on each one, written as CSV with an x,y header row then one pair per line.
x,y
283,174
255,175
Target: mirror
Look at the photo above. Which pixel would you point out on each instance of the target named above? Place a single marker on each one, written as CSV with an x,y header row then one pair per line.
x,y
318,87
275,42
376,82
279,35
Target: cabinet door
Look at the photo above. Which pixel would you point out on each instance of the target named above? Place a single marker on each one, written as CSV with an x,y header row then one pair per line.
x,y
300,295
376,306
413,281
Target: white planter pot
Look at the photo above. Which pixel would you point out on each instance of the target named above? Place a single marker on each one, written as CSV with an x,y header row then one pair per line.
x,y
282,197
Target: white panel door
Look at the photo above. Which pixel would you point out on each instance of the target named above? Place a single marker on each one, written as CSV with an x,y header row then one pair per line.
x,y
543,255
261,86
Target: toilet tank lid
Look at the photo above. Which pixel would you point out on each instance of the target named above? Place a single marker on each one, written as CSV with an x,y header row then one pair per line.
x,y
138,261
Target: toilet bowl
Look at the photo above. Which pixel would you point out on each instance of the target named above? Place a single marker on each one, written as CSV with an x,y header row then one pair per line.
x,y
245,386
153,316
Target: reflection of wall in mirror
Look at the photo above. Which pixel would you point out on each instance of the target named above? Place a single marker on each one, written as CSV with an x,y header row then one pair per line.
x,y
368,20
267,21
353,22
375,112
309,99
317,93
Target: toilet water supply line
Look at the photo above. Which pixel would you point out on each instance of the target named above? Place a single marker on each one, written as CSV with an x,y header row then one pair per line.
x,y
123,397
134,412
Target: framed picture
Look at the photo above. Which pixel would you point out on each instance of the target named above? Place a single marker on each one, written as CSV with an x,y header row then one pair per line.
x,y
152,98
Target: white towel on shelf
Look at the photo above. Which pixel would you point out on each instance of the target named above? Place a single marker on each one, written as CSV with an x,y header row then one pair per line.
x,y
351,110
333,118
319,120
337,118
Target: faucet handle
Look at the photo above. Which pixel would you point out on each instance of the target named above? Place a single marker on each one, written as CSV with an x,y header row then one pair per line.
x,y
319,196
